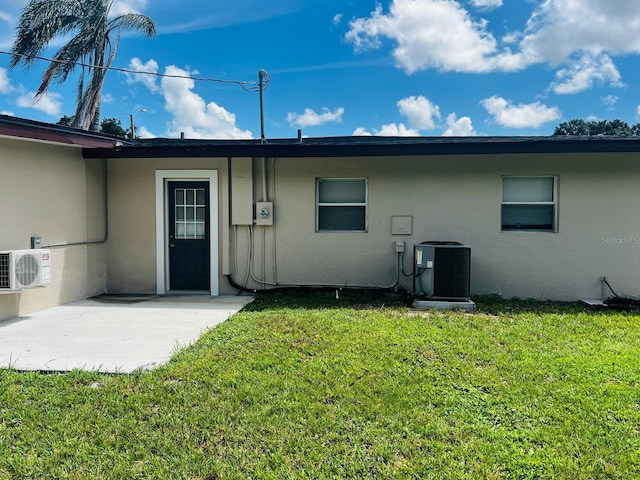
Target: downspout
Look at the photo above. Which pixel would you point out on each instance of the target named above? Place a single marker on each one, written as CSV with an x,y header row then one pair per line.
x,y
106,217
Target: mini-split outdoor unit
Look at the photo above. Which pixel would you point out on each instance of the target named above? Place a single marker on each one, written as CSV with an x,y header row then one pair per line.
x,y
442,270
20,269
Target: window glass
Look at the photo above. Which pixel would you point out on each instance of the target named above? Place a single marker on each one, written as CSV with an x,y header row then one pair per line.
x,y
528,203
342,204
527,189
342,191
530,217
343,218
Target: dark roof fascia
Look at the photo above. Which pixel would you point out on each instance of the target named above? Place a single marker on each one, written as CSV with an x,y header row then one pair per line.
x,y
47,132
368,147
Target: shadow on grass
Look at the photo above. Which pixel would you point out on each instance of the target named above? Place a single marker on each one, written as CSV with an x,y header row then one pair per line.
x,y
490,304
329,299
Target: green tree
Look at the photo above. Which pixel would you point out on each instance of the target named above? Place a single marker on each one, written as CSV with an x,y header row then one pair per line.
x,y
93,40
65,121
113,127
578,126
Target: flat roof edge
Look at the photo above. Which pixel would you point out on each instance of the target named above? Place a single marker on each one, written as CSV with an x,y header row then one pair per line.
x,y
17,128
366,149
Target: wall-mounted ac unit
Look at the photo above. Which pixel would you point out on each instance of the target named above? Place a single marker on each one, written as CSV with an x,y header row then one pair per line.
x,y
20,269
442,270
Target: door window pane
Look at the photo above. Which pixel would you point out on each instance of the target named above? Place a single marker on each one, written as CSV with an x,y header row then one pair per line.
x,y
190,213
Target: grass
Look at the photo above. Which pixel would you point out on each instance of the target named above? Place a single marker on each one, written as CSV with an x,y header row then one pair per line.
x,y
314,387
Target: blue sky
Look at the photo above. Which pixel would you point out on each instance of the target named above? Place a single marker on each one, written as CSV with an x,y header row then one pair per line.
x,y
399,67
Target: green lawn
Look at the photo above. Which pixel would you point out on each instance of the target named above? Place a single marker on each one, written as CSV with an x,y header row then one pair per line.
x,y
314,387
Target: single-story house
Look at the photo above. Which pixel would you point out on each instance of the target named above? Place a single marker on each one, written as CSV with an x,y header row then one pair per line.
x,y
544,217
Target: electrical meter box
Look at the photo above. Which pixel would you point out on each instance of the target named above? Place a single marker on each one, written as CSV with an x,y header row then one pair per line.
x,y
264,213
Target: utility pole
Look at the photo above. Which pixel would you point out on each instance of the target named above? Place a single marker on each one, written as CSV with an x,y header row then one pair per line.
x,y
261,76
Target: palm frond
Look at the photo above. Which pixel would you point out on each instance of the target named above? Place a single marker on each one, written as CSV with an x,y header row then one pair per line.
x,y
40,22
133,22
94,41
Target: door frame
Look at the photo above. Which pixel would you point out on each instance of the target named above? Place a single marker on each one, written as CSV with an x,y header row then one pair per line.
x,y
163,177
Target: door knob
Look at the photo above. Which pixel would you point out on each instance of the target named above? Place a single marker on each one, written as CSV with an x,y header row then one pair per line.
x,y
171,245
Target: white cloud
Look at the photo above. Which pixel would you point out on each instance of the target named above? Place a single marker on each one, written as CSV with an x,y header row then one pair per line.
x,y
519,116
421,113
486,4
121,7
310,118
397,130
48,103
143,132
388,130
459,127
581,74
5,84
610,101
337,19
579,36
362,132
8,113
560,28
191,115
436,34
7,17
147,80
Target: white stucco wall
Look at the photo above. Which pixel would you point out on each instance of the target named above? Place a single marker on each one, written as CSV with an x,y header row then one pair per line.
x,y
51,191
454,198
458,199
131,250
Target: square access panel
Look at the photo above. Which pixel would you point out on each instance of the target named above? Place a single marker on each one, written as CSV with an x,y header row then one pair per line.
x,y
401,225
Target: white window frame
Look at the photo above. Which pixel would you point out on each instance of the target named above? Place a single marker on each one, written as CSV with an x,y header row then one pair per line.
x,y
364,204
553,203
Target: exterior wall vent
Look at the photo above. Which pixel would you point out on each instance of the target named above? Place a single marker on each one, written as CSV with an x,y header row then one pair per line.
x,y
442,270
20,269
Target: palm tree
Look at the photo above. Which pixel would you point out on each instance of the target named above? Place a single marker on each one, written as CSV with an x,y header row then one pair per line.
x,y
94,42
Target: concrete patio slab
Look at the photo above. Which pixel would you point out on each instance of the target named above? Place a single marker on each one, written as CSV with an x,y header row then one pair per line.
x,y
111,334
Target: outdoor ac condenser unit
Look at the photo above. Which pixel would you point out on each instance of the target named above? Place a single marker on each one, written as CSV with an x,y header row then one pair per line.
x,y
20,269
442,270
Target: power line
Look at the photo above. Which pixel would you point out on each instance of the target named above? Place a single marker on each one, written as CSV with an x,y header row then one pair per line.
x,y
247,86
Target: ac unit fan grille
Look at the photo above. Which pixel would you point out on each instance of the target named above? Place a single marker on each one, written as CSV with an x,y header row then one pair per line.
x,y
4,270
451,278
27,270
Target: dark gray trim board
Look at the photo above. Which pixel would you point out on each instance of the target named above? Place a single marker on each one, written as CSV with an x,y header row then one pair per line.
x,y
366,147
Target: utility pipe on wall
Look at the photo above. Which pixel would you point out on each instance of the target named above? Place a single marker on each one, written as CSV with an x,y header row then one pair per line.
x,y
106,217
